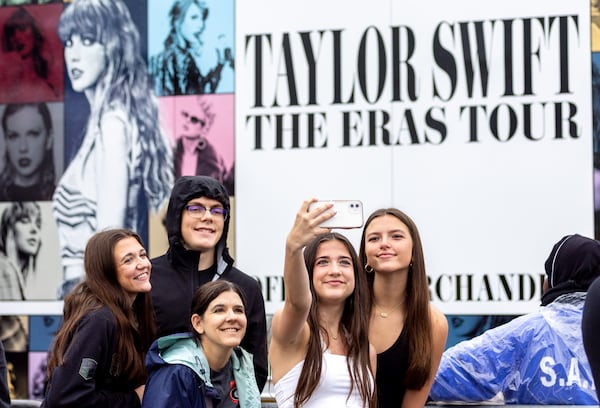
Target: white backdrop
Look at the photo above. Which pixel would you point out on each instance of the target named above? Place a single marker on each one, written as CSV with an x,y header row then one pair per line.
x,y
474,118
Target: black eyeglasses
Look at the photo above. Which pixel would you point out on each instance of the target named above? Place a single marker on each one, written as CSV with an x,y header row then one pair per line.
x,y
198,210
193,119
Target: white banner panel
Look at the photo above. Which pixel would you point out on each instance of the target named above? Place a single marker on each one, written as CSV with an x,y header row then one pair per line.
x,y
474,118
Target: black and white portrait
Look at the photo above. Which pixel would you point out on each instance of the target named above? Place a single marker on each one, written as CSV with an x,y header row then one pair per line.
x,y
30,150
123,164
29,260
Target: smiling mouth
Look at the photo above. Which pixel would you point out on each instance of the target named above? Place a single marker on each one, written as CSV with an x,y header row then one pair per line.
x,y
141,275
231,330
206,230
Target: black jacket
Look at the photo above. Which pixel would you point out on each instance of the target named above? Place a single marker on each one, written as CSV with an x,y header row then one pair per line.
x,y
175,275
86,378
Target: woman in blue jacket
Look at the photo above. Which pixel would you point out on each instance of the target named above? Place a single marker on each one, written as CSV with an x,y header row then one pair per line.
x,y
205,368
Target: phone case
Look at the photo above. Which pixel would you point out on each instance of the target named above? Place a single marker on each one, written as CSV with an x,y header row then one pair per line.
x,y
349,213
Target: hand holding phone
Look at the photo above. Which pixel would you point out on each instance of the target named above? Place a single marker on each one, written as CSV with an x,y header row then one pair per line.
x,y
349,213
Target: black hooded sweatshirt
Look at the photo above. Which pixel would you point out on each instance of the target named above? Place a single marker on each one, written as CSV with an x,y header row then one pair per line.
x,y
175,276
572,266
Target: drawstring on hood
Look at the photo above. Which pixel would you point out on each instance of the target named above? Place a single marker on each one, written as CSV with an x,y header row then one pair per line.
x,y
573,264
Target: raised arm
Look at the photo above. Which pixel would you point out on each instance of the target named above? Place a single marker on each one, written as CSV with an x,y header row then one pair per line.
x,y
290,332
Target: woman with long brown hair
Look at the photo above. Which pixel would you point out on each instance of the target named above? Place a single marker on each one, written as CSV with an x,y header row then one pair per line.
x,y
320,353
97,358
408,333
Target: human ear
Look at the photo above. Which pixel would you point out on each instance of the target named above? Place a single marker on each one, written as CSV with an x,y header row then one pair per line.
x,y
197,323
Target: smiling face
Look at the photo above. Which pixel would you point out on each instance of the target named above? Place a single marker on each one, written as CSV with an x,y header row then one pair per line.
x,y
223,324
27,231
333,272
27,141
86,61
202,232
388,244
132,266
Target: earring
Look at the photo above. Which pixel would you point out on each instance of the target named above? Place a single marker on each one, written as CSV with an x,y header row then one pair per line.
x,y
369,268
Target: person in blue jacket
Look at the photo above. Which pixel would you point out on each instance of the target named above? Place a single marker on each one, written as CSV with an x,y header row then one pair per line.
x,y
205,367
197,223
537,358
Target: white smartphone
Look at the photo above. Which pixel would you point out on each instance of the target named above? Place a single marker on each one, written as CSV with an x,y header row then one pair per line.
x,y
349,213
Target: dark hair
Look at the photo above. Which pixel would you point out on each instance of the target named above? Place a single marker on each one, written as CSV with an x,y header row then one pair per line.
x,y
177,14
354,326
46,170
417,320
19,20
101,288
209,292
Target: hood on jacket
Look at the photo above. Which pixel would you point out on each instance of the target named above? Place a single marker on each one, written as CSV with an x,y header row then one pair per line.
x,y
185,189
572,266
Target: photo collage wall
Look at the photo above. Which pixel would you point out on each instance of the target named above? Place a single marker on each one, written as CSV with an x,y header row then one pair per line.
x,y
93,136
87,143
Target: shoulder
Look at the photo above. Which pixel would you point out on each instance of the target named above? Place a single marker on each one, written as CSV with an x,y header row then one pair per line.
x,y
438,319
102,316
246,281
439,324
160,267
113,117
7,266
113,123
98,323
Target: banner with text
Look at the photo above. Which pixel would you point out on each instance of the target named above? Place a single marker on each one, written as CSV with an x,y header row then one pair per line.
x,y
473,117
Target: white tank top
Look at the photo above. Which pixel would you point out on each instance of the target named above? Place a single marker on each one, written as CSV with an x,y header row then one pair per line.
x,y
331,392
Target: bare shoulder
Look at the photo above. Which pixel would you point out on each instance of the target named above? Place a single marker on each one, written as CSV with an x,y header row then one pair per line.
x,y
439,323
286,351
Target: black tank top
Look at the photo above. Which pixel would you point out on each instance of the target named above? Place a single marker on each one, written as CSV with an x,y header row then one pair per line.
x,y
391,373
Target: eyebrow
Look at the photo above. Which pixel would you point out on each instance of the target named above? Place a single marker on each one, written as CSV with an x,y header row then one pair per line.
x,y
131,254
225,305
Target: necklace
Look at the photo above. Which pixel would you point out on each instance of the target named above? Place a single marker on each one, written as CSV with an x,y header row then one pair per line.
x,y
330,333
385,314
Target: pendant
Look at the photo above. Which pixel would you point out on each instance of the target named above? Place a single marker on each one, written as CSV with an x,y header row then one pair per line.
x,y
383,314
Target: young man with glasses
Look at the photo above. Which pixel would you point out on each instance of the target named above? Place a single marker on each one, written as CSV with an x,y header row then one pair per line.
x,y
197,223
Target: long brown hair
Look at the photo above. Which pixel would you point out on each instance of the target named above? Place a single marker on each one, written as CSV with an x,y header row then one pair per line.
x,y
101,288
354,322
417,320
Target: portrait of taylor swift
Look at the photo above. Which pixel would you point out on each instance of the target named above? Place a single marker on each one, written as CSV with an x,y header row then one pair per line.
x,y
30,59
29,257
30,150
122,167
191,48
